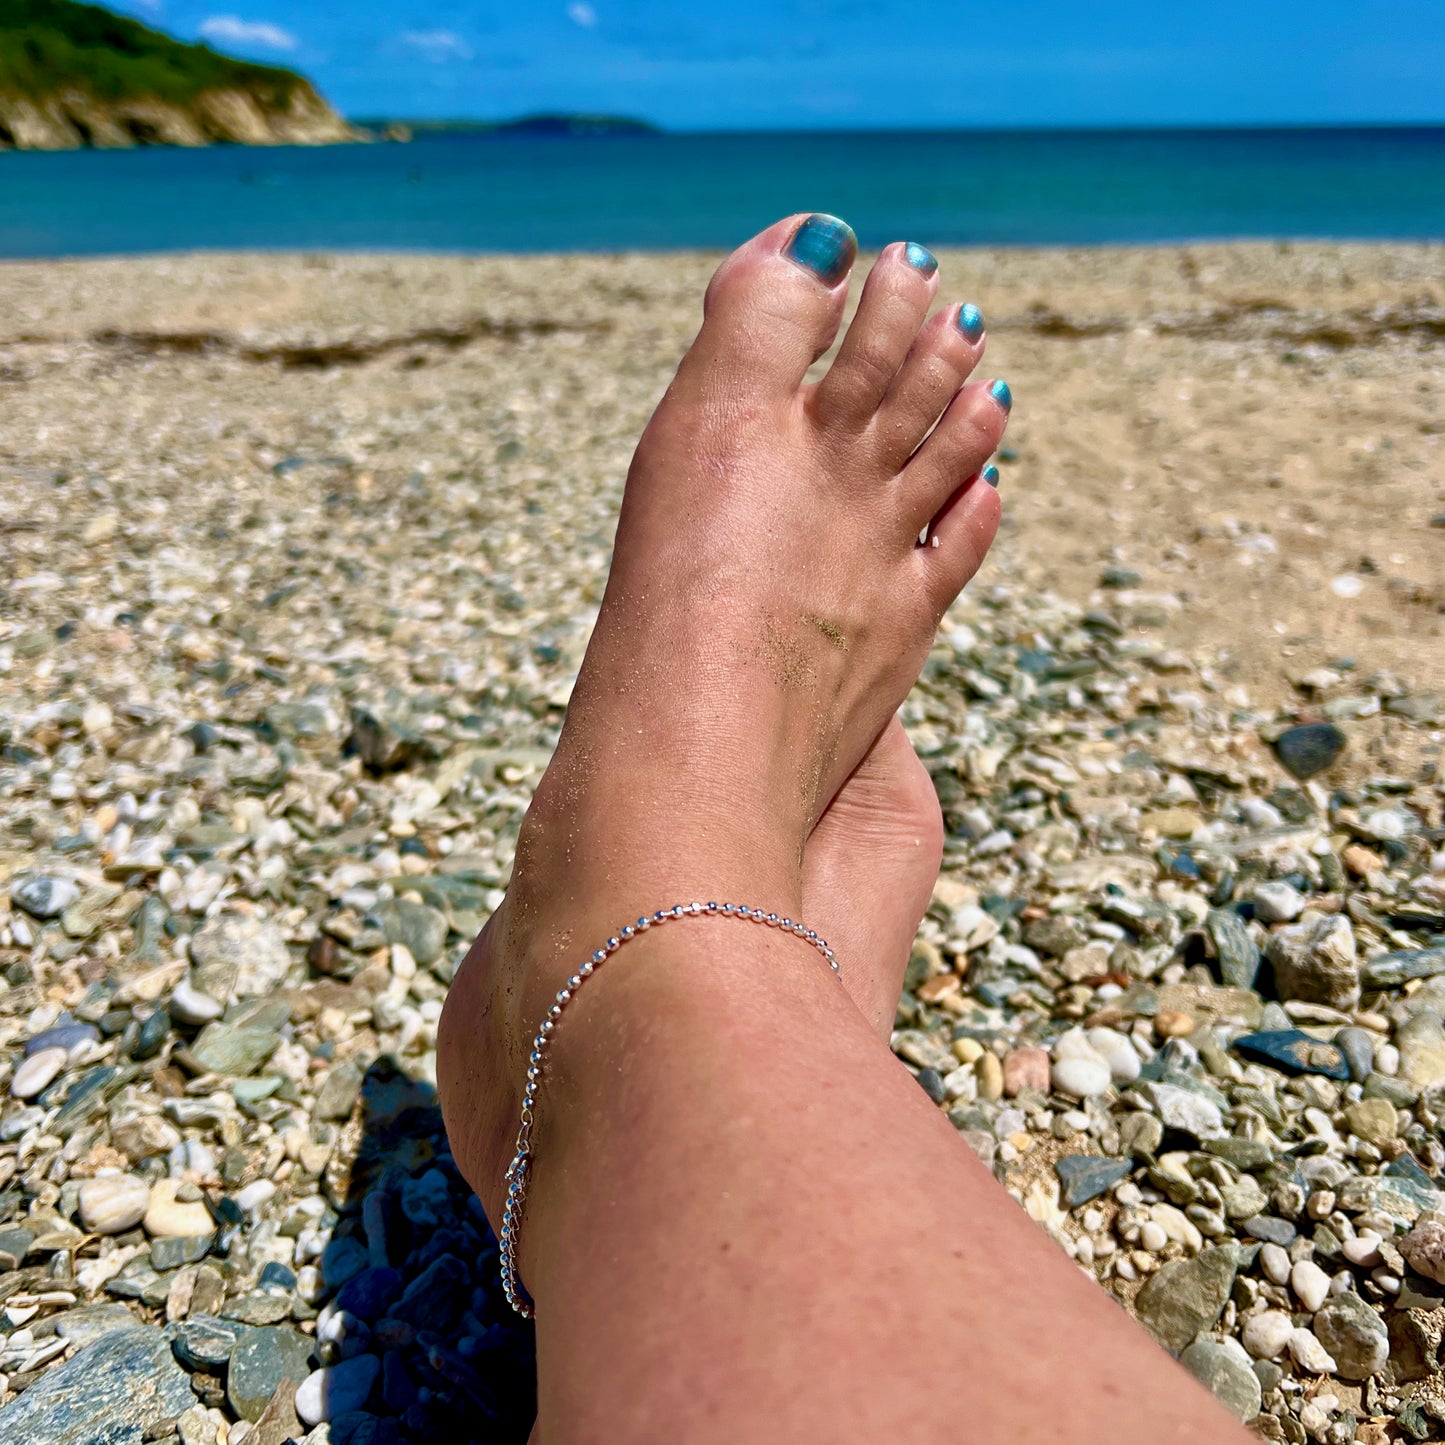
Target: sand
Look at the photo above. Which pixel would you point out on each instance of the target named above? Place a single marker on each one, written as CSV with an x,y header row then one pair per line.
x,y
1253,430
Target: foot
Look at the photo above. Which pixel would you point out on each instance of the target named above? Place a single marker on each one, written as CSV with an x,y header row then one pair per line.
x,y
769,607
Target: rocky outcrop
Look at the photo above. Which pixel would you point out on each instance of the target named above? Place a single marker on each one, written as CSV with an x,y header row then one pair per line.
x,y
71,118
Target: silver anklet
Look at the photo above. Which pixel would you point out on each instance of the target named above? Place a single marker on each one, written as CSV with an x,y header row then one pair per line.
x,y
518,1171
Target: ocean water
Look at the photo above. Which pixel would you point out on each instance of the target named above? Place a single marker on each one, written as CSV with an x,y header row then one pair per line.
x,y
660,192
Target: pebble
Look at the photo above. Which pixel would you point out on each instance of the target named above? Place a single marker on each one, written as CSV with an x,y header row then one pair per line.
x,y
1275,1263
1309,749
1309,1354
1278,901
1355,1335
1082,1077
1186,1296
1087,1176
337,1389
1026,1069
36,1073
166,1215
1310,1284
1224,1368
1266,1335
112,1204
262,1359
1315,961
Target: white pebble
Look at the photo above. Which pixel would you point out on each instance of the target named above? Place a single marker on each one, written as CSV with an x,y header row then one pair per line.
x,y
1310,1284
188,1005
36,1073
1387,1060
1152,1237
1082,1077
1309,1354
1267,1334
1275,1264
112,1203
1363,1250
253,1196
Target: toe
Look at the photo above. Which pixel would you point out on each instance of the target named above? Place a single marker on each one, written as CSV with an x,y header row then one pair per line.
x,y
959,538
895,300
773,307
964,439
941,360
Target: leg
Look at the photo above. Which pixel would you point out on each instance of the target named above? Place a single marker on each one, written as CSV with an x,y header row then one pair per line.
x,y
736,1183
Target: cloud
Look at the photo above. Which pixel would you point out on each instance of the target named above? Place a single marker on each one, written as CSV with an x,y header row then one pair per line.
x,y
581,13
438,45
232,30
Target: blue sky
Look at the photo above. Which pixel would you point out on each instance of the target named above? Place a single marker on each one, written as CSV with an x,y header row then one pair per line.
x,y
842,63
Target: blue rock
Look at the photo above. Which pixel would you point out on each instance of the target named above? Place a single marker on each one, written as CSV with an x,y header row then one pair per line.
x,y
1294,1052
1270,1230
343,1259
1086,1176
435,1298
1358,1047
274,1275
1390,970
371,1293
1309,748
108,1393
359,1428
63,1036
1408,1167
397,1391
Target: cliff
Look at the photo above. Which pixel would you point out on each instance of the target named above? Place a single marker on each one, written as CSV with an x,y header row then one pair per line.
x,y
76,75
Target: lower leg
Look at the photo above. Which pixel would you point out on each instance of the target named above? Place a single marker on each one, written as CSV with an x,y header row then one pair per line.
x,y
748,1222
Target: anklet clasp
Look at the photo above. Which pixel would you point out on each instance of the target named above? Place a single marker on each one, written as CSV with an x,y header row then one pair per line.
x,y
518,1171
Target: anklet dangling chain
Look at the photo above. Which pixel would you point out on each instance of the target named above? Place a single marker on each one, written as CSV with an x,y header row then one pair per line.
x,y
519,1171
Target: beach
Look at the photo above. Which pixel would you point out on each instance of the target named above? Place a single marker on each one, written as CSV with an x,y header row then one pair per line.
x,y
300,554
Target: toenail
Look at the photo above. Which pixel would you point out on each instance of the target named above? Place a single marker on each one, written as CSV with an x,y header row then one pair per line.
x,y
990,475
920,258
825,246
970,321
1001,394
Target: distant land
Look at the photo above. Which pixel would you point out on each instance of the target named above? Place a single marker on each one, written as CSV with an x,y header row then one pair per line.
x,y
75,75
558,123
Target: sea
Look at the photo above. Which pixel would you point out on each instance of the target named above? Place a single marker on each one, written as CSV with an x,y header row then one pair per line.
x,y
526,193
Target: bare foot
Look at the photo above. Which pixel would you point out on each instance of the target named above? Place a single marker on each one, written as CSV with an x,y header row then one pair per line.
x,y
769,607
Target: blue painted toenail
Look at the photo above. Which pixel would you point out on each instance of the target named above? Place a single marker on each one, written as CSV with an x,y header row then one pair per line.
x,y
825,246
920,258
990,474
970,321
999,391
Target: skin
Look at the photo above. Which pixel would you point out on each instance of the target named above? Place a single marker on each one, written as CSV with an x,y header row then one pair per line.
x,y
746,1219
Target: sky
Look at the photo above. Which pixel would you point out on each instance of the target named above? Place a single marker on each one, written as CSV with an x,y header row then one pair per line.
x,y
785,64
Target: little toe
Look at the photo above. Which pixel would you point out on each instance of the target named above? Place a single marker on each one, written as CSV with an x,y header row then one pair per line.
x,y
941,360
895,300
959,538
773,307
964,439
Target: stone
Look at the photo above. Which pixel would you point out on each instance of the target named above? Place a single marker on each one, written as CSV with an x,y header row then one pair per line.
x,y
1224,1368
1277,901
342,1259
1026,1068
1266,1334
1294,1052
262,1359
87,1323
1315,962
234,954
1309,1354
1183,1109
1118,1052
337,1389
142,1136
1355,1335
1358,1047
338,1092
1373,1120
420,929
1310,1284
37,1072
189,1006
172,1251
1087,1176
371,1293
1424,1249
113,1203
44,897
108,1393
1421,1042
1141,1135
1186,1296
989,1072
1309,748
203,1342
169,1217
1275,1263
233,1049
1390,970
1236,950
1081,1077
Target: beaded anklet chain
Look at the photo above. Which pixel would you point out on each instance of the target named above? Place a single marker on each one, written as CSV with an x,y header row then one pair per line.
x,y
519,1171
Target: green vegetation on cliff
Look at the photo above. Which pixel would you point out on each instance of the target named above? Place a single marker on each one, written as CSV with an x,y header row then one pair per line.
x,y
48,46
73,75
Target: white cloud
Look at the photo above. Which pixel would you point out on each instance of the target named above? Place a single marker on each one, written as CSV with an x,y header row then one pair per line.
x,y
581,13
438,45
232,30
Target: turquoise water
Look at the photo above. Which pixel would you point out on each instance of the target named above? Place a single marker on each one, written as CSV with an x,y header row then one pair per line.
x,y
530,193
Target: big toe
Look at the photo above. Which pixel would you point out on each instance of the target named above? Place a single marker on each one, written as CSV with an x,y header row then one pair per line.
x,y
773,307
